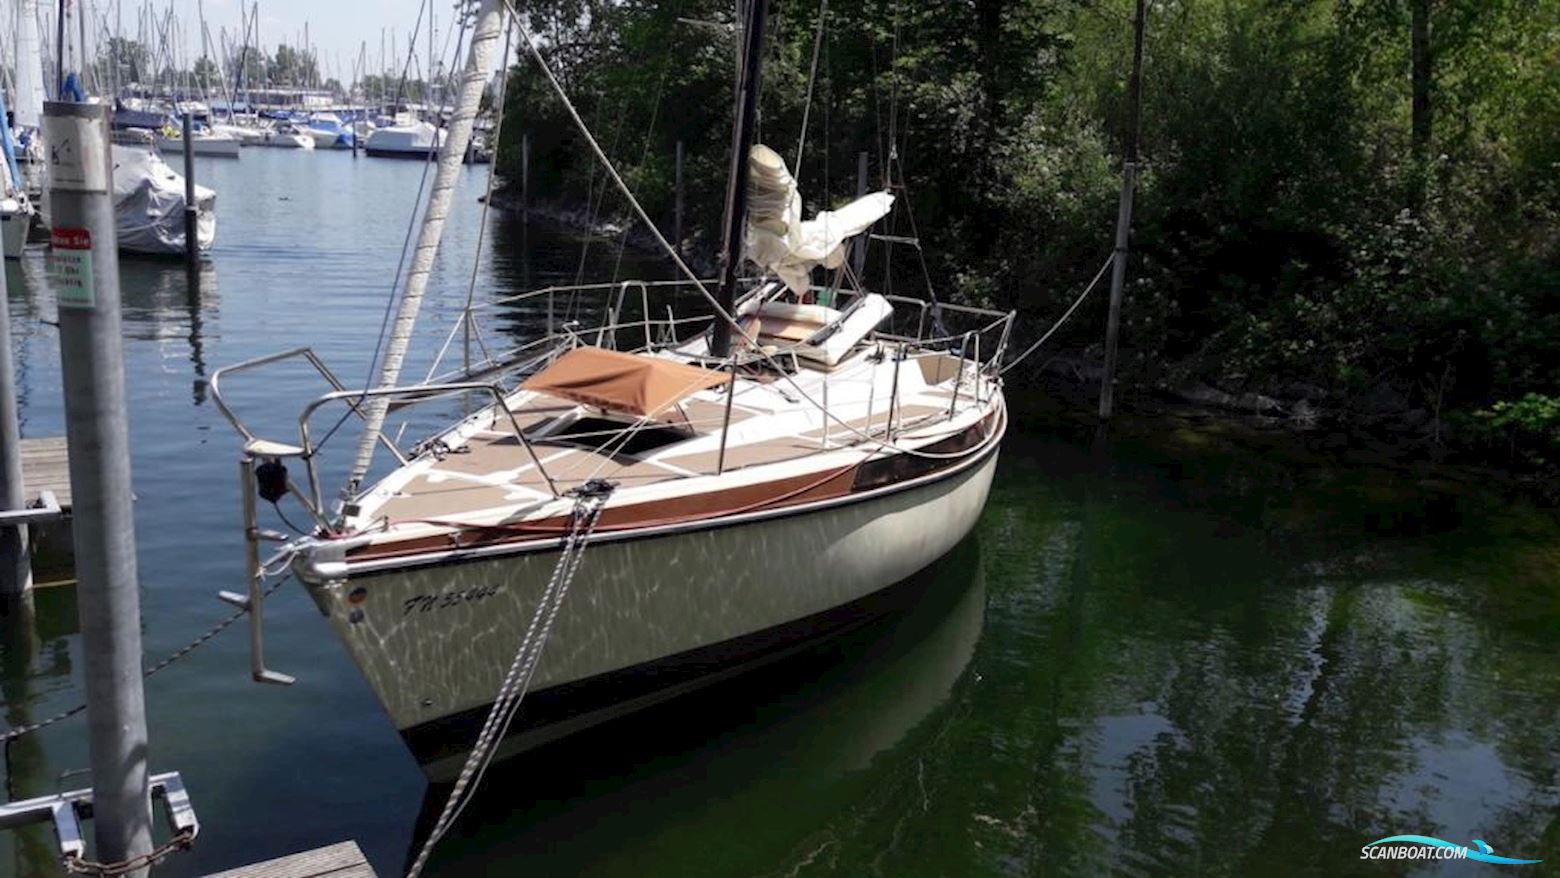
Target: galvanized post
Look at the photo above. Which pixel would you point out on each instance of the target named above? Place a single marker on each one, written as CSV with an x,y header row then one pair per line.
x,y
525,175
858,256
677,211
15,567
86,279
191,210
1118,268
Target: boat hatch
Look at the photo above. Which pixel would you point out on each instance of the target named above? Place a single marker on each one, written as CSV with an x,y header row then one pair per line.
x,y
591,432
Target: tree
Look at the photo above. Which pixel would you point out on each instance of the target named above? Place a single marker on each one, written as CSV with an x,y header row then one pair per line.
x,y
290,66
206,73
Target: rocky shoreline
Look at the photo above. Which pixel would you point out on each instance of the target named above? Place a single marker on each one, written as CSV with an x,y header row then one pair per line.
x,y
575,217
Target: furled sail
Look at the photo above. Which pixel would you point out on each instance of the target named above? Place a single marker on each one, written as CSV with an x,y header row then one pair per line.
x,y
779,240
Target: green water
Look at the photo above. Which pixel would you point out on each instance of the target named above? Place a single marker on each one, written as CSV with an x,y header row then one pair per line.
x,y
1179,651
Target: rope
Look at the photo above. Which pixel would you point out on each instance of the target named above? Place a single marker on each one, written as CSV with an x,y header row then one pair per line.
x,y
590,498
20,731
1069,312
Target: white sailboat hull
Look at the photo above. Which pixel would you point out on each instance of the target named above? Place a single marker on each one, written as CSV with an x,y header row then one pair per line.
x,y
14,226
222,147
285,141
325,138
650,614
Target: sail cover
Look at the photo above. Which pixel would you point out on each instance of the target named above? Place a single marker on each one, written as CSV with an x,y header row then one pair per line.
x,y
633,384
781,241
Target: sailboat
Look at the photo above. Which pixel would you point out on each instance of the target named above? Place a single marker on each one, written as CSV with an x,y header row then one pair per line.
x,y
205,140
660,502
149,195
329,132
149,205
413,140
16,209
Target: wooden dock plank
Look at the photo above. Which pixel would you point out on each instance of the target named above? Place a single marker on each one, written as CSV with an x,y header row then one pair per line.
x,y
341,860
46,467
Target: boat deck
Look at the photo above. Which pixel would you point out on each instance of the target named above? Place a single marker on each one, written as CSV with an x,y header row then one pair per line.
x,y
493,469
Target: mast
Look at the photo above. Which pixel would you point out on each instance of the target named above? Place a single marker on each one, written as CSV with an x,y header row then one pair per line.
x,y
479,61
27,103
59,53
736,191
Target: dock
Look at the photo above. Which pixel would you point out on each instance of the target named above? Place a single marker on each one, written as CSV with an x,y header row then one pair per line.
x,y
46,467
340,860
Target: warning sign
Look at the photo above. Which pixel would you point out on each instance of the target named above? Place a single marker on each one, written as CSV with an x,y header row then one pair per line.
x,y
76,153
70,268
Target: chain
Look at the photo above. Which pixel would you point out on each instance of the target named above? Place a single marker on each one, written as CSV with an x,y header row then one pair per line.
x,y
183,840
12,734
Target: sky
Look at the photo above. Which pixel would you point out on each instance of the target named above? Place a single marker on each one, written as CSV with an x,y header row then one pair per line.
x,y
338,29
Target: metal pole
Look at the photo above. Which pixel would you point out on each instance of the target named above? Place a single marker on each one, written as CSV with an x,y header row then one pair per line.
x,y
525,175
15,569
86,269
677,213
736,191
191,209
59,52
1118,268
725,421
858,257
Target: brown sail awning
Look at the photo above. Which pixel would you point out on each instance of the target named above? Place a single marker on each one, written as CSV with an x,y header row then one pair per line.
x,y
634,384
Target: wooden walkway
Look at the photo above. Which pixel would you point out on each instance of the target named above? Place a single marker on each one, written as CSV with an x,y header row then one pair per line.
x,y
46,467
342,860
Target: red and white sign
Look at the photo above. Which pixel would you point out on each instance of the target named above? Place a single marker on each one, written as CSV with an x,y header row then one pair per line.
x,y
70,268
71,239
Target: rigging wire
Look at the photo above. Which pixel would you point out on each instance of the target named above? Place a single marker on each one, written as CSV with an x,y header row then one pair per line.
x,y
487,201
644,155
1068,313
720,312
400,265
812,78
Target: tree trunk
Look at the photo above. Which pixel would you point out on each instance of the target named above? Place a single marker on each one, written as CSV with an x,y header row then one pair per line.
x,y
1420,27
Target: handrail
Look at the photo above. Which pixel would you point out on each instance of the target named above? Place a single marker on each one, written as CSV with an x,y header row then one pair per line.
x,y
215,385
425,392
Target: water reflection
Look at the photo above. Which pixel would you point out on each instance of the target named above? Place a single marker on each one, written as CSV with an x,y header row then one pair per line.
x,y
755,753
165,304
1197,654
1268,685
34,659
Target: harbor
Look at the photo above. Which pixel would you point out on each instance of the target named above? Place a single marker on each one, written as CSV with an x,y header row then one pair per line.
x,y
1079,660
402,517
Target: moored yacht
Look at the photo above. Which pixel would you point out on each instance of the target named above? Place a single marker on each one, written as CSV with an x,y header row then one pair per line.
x,y
415,140
285,135
632,507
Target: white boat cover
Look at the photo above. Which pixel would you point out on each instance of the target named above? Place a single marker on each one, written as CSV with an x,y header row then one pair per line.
x,y
777,237
149,204
418,137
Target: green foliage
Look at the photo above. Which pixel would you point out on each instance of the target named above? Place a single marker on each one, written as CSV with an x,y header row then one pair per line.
x,y
1529,428
1285,229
